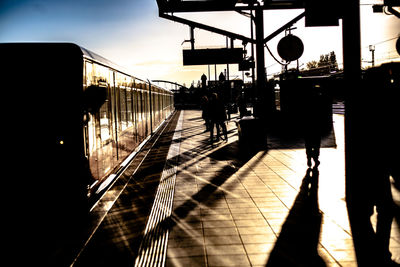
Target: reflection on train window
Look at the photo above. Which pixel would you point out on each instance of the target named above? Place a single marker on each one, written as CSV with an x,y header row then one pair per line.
x,y
129,104
89,73
122,99
105,124
125,118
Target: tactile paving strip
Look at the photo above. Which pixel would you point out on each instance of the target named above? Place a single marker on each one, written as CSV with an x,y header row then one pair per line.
x,y
153,249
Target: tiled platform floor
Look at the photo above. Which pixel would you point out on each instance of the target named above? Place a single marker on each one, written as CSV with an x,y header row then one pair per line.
x,y
237,211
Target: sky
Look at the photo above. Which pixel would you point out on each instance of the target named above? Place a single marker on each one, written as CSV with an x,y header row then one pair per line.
x,y
131,34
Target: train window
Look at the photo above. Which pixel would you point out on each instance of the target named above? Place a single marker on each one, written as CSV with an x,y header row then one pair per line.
x,y
105,122
144,116
129,104
101,73
140,106
146,112
140,112
88,73
123,108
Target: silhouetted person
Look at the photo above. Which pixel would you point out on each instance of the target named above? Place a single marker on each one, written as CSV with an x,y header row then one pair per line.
x,y
221,77
375,242
205,107
385,130
384,204
217,117
203,81
384,127
241,102
316,123
375,158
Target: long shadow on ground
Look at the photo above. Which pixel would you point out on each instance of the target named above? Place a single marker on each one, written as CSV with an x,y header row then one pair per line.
x,y
298,241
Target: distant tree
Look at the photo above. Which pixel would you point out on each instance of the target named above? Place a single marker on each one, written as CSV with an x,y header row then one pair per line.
x,y
332,60
323,60
312,65
328,60
326,64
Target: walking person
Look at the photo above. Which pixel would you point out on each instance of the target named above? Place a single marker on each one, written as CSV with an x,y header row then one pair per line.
x,y
316,123
241,102
217,117
205,106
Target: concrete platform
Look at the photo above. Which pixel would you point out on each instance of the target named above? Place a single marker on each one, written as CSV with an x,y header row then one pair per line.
x,y
231,209
193,203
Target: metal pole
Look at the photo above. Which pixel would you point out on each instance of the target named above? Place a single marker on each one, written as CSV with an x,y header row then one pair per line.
x,y
227,65
357,197
352,74
373,58
192,37
209,77
372,49
260,62
252,51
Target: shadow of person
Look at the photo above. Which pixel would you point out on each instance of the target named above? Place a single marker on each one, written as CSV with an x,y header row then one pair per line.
x,y
297,244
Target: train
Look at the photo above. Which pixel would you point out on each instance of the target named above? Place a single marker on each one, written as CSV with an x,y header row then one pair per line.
x,y
73,119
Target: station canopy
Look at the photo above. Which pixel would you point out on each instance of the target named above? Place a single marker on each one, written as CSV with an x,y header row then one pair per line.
x,y
223,5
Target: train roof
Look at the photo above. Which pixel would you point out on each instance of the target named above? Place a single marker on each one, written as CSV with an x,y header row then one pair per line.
x,y
95,57
102,60
73,48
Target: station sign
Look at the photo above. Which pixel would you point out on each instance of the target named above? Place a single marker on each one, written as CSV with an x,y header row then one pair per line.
x,y
246,65
322,13
212,56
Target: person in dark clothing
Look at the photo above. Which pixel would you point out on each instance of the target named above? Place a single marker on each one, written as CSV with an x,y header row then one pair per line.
x,y
385,206
316,123
217,117
204,103
375,157
313,143
384,121
241,102
376,189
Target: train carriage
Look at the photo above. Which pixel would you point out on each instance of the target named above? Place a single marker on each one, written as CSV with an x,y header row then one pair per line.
x,y
131,112
75,118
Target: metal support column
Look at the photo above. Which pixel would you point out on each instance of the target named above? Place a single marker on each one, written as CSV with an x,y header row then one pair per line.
x,y
352,74
357,176
260,60
192,38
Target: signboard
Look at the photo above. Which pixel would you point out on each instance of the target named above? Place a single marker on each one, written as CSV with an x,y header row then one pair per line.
x,y
246,65
212,56
322,13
